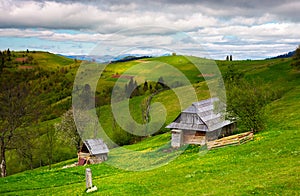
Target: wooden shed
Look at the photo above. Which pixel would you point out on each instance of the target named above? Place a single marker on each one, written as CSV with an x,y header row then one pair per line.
x,y
199,124
92,151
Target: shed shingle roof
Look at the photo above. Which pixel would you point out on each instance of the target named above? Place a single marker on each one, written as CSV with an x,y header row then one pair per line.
x,y
205,110
96,146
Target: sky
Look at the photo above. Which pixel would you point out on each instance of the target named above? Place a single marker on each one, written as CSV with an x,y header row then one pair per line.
x,y
245,29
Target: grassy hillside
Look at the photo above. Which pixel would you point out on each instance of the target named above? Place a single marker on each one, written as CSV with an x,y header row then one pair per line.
x,y
267,165
50,79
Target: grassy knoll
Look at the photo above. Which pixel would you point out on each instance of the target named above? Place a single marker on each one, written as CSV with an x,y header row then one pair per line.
x,y
51,61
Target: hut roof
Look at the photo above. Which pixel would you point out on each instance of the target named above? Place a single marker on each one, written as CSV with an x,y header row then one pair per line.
x,y
200,116
96,146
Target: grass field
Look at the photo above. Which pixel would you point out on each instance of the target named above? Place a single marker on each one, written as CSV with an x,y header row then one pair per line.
x,y
268,165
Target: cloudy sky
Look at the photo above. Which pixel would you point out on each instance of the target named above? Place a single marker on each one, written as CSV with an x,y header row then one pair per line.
x,y
247,29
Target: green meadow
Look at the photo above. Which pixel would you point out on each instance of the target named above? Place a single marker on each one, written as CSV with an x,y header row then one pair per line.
x,y
268,165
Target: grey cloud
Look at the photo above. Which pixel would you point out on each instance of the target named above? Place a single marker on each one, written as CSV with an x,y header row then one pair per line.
x,y
285,9
254,23
109,16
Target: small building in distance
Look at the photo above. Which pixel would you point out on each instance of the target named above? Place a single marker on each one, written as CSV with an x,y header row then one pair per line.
x,y
93,151
199,124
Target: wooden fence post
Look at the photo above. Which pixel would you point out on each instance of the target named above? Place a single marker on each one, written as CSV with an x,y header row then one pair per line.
x,y
88,177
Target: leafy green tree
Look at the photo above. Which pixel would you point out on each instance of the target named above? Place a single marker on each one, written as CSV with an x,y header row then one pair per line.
x,y
297,53
86,97
131,89
68,131
160,84
150,88
296,58
8,54
232,75
246,100
2,58
135,91
145,87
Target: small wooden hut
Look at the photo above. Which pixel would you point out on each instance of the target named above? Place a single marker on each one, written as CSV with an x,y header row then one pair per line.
x,y
92,151
199,124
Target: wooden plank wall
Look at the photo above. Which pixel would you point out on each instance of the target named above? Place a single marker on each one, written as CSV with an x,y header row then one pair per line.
x,y
193,137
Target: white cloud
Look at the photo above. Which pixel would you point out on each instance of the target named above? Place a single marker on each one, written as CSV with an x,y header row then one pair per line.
x,y
257,26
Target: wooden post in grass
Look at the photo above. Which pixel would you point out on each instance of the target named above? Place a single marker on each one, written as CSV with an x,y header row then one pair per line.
x,y
88,177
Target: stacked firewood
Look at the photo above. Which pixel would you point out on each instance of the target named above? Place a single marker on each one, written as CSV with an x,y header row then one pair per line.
x,y
230,140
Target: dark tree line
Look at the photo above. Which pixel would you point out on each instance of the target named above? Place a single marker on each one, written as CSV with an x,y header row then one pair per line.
x,y
132,89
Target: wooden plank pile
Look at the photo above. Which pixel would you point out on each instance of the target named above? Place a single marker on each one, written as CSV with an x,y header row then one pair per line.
x,y
230,140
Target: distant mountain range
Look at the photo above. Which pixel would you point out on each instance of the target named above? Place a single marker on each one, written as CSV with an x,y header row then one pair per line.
x,y
109,58
128,57
100,59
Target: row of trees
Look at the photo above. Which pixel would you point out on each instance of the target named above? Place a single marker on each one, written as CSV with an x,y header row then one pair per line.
x,y
132,89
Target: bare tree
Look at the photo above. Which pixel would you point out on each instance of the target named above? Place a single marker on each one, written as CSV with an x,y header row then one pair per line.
x,y
16,112
50,138
24,142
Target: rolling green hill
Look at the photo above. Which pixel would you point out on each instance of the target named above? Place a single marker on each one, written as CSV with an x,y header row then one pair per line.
x,y
267,165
